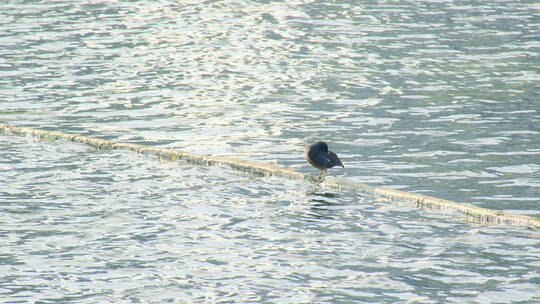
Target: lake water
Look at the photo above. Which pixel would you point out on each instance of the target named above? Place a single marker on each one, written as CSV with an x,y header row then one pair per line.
x,y
434,97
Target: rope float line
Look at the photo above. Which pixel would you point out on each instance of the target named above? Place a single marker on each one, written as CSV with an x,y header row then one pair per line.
x,y
480,214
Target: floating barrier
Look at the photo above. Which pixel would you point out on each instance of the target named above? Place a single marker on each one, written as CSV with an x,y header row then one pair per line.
x,y
477,214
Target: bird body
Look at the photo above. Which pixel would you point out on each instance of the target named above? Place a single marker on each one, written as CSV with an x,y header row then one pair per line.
x,y
320,157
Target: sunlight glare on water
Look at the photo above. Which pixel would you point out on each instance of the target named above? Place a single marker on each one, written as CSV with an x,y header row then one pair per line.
x,y
119,227
432,97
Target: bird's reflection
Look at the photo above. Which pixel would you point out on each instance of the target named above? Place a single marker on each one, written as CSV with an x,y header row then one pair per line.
x,y
321,204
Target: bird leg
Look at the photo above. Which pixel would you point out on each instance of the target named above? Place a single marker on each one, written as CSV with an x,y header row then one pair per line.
x,y
322,174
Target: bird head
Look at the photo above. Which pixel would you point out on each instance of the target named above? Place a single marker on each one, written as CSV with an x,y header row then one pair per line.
x,y
321,145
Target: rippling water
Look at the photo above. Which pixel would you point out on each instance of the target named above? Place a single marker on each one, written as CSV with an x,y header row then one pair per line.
x,y
434,97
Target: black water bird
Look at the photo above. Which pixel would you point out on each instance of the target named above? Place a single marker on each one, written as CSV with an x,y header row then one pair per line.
x,y
320,157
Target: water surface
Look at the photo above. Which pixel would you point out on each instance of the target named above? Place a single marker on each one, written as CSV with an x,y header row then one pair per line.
x,y
432,97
